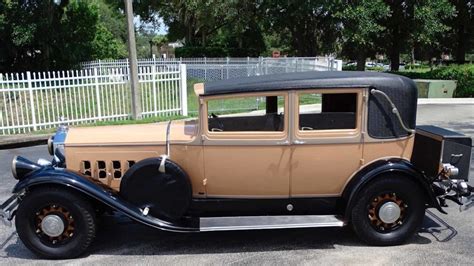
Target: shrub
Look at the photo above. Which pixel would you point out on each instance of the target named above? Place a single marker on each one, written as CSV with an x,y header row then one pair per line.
x,y
416,66
349,68
375,68
197,51
463,74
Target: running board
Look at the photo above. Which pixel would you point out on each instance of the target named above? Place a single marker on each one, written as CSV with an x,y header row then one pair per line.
x,y
268,222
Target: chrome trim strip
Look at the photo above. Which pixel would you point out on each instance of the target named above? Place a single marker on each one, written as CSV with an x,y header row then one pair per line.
x,y
216,196
51,145
14,167
294,196
268,222
168,138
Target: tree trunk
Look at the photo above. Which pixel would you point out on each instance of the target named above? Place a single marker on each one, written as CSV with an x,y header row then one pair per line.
x,y
203,38
361,61
394,53
189,35
395,60
461,47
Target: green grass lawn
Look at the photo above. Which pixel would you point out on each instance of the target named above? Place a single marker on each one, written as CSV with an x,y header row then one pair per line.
x,y
238,104
192,99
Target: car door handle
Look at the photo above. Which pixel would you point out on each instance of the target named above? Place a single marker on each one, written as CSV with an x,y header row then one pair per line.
x,y
286,142
299,142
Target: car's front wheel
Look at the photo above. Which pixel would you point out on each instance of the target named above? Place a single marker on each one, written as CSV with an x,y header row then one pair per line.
x,y
55,223
388,211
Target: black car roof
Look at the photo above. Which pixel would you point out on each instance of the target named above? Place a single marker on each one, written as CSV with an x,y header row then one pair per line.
x,y
307,80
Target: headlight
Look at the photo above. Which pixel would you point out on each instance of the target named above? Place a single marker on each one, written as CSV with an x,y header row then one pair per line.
x,y
450,170
14,167
51,145
22,166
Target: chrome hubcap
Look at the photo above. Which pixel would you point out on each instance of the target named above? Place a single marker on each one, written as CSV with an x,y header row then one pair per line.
x,y
52,225
389,212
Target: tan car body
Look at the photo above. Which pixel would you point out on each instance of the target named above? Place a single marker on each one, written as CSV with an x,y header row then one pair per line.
x,y
283,164
293,150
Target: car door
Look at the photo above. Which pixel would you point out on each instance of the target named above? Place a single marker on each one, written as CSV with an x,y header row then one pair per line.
x,y
246,146
327,141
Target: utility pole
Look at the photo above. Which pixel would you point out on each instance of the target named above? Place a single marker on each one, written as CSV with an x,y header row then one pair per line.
x,y
133,68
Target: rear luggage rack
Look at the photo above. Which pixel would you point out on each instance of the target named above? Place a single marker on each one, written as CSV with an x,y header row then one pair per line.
x,y
435,146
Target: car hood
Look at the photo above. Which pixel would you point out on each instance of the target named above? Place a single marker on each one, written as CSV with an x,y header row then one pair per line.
x,y
181,131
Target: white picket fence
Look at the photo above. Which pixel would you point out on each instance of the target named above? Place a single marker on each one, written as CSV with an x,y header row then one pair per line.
x,y
210,69
39,100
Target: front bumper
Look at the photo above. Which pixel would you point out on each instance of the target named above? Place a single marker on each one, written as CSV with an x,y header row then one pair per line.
x,y
467,203
454,190
8,208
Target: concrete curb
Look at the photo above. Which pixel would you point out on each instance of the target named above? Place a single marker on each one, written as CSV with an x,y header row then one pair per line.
x,y
445,100
19,141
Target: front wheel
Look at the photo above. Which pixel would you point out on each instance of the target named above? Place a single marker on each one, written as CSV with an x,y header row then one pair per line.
x,y
55,223
388,211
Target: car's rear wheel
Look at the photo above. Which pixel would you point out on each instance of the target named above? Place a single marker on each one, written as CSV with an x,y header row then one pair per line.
x,y
55,223
388,211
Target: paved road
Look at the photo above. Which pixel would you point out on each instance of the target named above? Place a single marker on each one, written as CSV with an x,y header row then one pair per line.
x,y
443,239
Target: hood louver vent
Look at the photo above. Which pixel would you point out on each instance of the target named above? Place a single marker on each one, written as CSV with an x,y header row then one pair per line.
x,y
108,172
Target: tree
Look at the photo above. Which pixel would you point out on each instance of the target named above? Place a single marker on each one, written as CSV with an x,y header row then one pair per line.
x,y
144,39
26,36
111,35
310,26
74,36
398,25
197,21
49,35
209,23
411,22
429,26
160,40
106,45
361,27
460,38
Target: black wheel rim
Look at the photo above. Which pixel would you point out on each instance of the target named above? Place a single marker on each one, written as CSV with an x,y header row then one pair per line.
x,y
67,218
378,201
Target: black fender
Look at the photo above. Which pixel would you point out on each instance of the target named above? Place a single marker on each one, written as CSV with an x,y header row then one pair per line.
x,y
85,185
378,168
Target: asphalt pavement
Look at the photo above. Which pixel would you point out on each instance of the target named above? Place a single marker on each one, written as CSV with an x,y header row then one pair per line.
x,y
443,239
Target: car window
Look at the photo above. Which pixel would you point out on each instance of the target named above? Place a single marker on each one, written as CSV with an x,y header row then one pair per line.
x,y
327,111
262,113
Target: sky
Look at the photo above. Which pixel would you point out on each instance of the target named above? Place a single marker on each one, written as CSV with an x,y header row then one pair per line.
x,y
161,30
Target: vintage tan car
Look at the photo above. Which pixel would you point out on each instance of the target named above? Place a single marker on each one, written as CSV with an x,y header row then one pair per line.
x,y
312,149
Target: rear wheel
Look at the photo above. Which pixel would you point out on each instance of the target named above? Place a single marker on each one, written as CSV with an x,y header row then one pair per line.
x,y
55,223
388,211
